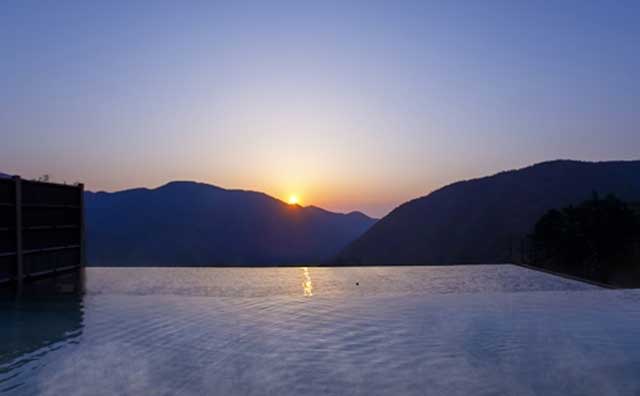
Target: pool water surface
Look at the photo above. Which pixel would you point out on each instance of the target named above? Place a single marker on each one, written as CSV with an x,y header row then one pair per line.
x,y
482,330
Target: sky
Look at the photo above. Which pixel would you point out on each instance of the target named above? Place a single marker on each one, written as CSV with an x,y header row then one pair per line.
x,y
350,105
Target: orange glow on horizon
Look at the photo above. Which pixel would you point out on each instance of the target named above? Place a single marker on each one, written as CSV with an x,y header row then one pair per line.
x,y
294,200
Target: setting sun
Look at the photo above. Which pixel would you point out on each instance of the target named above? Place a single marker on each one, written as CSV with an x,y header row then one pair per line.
x,y
294,200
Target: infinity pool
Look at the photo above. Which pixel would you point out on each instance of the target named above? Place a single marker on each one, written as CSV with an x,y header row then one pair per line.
x,y
481,330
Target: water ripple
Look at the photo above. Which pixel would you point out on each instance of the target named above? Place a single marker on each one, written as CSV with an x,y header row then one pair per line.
x,y
409,334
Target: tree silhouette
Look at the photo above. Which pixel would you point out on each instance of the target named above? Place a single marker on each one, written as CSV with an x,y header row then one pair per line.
x,y
596,240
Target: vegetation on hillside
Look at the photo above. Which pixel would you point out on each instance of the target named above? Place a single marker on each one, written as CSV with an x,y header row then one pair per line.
x,y
598,240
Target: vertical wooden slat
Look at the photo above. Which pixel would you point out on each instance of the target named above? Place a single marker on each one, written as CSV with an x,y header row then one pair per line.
x,y
511,256
18,208
83,257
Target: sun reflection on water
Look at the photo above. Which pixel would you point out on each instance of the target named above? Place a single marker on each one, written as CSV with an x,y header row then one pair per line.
x,y
307,286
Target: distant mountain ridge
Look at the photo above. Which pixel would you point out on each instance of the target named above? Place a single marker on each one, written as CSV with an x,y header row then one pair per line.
x,y
196,224
476,221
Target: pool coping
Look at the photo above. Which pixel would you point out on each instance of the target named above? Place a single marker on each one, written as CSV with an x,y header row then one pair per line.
x,y
567,276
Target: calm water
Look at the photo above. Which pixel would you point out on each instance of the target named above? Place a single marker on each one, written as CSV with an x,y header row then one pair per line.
x,y
306,331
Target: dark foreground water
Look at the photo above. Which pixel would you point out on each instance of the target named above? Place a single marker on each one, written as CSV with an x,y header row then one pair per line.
x,y
469,330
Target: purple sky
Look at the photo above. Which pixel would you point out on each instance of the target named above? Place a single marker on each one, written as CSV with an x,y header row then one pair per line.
x,y
350,105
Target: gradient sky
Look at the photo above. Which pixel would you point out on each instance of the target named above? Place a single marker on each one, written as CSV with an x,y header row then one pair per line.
x,y
350,104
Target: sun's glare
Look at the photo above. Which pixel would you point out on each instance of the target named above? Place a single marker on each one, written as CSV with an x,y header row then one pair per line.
x,y
294,200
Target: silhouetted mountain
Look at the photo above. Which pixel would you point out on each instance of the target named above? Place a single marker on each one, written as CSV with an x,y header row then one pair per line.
x,y
194,224
476,221
5,176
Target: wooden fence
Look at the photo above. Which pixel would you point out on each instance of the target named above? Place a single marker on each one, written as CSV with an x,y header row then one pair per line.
x,y
41,229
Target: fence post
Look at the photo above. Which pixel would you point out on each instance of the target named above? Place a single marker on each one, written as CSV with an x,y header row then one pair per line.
x,y
83,250
19,255
511,255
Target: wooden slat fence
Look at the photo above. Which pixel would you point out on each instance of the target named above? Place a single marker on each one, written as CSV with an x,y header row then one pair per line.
x,y
41,229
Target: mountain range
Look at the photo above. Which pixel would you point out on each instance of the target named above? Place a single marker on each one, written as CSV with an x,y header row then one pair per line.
x,y
196,224
478,221
471,221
